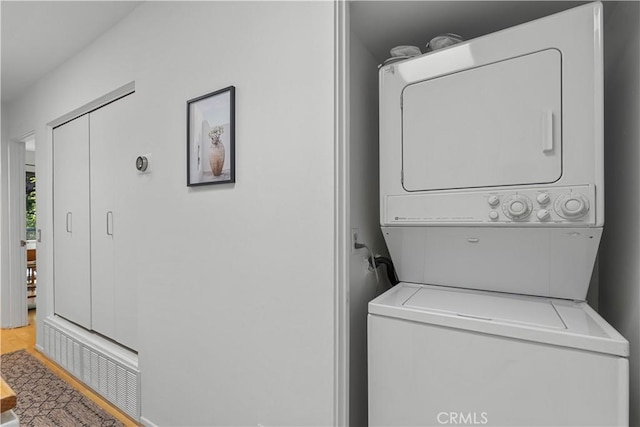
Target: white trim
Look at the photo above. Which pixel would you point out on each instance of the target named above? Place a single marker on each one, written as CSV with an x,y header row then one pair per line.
x,y
17,231
44,167
341,216
147,422
25,136
95,104
95,342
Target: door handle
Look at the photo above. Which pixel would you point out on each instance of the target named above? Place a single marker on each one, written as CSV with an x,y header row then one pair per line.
x,y
69,222
547,131
109,223
23,243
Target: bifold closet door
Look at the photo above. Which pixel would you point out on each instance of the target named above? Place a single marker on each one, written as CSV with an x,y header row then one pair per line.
x,y
71,243
114,237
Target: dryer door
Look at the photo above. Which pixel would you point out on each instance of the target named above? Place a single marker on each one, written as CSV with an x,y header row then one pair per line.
x,y
494,125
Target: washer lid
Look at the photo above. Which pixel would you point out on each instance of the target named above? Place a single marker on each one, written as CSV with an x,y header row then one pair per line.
x,y
545,320
499,307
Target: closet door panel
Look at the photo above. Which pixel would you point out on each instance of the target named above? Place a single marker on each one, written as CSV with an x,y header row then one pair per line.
x,y
102,246
71,227
114,235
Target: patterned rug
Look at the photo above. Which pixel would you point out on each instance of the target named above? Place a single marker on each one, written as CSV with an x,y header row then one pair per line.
x,y
44,399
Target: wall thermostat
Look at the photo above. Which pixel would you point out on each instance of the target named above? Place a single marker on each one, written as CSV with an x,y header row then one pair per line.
x,y
142,163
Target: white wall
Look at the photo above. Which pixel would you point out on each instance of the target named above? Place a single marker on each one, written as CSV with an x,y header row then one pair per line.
x,y
364,216
235,281
620,247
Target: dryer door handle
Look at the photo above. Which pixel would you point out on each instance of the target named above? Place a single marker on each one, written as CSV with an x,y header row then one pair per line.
x,y
547,131
109,223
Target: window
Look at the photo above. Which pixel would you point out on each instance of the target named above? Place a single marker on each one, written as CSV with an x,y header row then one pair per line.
x,y
31,206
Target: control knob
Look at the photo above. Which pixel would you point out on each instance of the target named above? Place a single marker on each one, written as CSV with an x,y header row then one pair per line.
x,y
493,200
517,207
543,198
571,206
543,214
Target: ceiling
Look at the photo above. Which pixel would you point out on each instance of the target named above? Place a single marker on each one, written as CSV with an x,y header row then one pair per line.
x,y
381,25
38,36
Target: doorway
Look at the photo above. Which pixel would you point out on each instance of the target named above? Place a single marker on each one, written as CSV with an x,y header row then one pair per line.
x,y
30,220
14,247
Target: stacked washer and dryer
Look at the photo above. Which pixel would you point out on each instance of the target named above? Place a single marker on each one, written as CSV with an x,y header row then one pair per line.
x,y
492,208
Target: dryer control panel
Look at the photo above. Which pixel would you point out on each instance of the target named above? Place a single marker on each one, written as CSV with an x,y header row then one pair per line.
x,y
553,206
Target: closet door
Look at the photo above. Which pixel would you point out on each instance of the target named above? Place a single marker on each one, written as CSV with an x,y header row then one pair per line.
x,y
114,236
72,271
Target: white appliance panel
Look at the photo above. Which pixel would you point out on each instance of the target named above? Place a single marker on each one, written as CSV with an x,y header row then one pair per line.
x,y
494,125
554,262
552,207
422,375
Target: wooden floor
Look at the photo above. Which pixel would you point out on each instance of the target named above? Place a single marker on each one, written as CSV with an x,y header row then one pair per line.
x,y
25,338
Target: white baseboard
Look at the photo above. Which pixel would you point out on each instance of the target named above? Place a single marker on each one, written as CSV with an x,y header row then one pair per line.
x,y
147,423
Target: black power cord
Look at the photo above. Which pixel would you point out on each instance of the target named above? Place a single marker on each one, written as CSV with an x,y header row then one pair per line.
x,y
379,260
391,271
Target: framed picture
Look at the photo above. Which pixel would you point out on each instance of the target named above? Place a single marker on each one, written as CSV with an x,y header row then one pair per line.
x,y
211,138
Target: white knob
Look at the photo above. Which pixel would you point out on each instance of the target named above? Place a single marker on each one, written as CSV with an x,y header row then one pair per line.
x,y
543,214
493,200
494,215
517,207
543,198
572,206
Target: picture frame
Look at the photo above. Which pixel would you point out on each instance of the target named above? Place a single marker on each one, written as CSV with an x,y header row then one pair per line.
x,y
211,138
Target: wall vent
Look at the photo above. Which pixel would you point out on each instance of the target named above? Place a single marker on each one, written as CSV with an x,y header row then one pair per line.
x,y
97,367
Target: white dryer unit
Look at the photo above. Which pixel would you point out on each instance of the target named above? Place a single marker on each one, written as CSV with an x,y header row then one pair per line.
x,y
492,208
501,132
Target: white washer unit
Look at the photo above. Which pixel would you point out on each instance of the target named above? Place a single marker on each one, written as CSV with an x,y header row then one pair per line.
x,y
447,356
491,188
